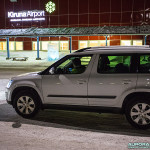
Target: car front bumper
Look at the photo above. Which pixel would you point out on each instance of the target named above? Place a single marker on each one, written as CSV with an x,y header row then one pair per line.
x,y
8,97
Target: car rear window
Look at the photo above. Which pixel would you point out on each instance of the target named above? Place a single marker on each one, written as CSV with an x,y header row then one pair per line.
x,y
144,65
114,64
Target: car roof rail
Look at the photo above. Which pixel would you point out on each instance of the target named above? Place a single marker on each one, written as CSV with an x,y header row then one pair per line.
x,y
83,49
113,48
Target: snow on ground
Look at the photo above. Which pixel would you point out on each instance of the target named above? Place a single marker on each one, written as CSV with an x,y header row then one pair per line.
x,y
32,55
3,83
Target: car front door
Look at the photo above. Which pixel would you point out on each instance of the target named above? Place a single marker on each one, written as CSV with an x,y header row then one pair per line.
x,y
111,79
67,84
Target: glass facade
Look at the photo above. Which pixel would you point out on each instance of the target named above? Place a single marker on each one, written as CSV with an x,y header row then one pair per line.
x,y
19,46
137,42
126,42
93,43
56,44
12,45
34,45
45,45
103,43
64,45
3,46
60,45
131,42
83,44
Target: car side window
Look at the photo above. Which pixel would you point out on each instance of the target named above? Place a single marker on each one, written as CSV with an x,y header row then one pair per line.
x,y
144,66
114,64
73,65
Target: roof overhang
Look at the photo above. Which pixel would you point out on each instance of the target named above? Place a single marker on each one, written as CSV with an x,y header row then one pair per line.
x,y
76,31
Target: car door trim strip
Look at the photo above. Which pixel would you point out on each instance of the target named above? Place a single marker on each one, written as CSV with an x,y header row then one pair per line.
x,y
81,96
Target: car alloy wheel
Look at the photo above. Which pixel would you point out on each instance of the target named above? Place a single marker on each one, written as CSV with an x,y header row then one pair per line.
x,y
140,113
25,105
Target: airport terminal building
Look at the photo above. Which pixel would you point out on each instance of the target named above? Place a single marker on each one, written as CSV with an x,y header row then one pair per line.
x,y
72,24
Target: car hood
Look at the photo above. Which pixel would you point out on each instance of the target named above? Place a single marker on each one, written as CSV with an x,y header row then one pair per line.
x,y
29,75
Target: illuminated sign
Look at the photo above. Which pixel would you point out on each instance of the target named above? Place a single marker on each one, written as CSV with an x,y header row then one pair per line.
x,y
33,15
141,17
50,7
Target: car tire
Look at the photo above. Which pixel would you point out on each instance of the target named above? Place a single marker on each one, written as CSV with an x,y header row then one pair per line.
x,y
26,104
137,112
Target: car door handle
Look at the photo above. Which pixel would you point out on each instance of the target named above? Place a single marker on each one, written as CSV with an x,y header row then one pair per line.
x,y
126,81
81,81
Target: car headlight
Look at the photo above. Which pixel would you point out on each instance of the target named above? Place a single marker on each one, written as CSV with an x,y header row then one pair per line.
x,y
9,84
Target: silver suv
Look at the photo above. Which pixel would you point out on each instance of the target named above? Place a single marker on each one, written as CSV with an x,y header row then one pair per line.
x,y
98,79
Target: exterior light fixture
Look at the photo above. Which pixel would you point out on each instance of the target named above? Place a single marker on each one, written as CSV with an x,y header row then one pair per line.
x,y
13,0
50,7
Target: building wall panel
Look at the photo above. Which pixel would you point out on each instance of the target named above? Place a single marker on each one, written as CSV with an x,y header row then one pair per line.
x,y
84,12
27,45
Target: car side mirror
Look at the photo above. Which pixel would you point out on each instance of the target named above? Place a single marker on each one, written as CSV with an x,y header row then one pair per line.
x,y
52,70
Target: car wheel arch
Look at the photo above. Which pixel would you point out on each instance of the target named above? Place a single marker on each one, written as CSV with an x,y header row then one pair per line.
x,y
130,97
25,88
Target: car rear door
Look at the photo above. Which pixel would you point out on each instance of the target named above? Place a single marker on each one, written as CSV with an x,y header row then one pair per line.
x,y
143,84
112,78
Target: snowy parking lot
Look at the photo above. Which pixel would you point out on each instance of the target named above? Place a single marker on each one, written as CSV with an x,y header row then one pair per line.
x,y
62,130
30,62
